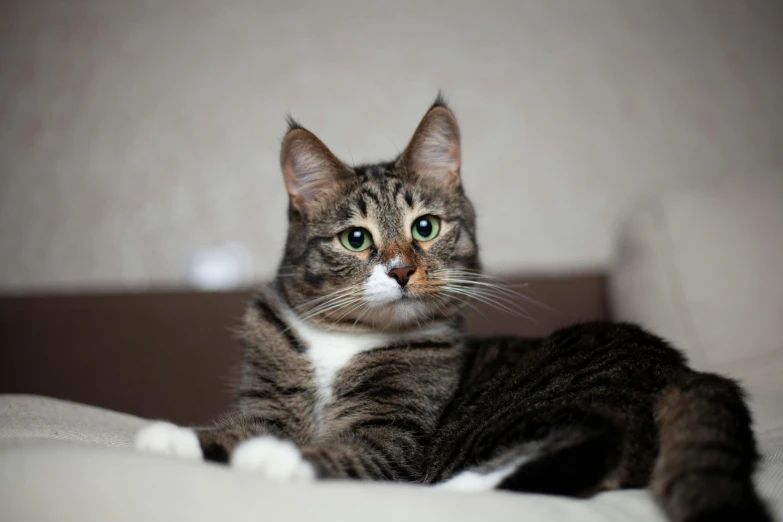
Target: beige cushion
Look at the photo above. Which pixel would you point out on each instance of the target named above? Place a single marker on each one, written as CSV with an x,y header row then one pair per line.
x,y
703,267
67,461
51,471
47,481
25,417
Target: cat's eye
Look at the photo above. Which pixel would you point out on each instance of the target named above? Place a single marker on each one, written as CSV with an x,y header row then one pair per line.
x,y
356,239
425,228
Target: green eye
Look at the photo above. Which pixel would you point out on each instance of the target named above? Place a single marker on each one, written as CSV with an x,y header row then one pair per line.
x,y
356,239
426,228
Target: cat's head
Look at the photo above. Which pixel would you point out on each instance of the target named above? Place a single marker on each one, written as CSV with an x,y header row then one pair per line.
x,y
382,246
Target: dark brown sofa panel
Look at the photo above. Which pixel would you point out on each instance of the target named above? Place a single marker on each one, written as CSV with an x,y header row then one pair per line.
x,y
172,355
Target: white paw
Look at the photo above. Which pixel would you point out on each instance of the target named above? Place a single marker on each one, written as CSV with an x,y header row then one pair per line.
x,y
169,439
273,458
467,481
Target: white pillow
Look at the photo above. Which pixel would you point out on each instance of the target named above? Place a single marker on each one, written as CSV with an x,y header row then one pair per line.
x,y
703,267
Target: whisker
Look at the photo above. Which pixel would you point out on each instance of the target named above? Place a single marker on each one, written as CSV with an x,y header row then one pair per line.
x,y
485,288
358,318
332,295
459,275
332,306
488,285
350,310
442,312
510,300
477,274
326,304
467,303
488,300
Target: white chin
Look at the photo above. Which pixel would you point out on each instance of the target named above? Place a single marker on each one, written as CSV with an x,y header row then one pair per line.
x,y
398,312
406,310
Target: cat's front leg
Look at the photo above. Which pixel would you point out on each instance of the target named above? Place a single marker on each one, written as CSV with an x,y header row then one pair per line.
x,y
282,460
358,460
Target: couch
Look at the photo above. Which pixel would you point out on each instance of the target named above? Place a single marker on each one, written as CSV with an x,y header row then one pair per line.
x,y
700,265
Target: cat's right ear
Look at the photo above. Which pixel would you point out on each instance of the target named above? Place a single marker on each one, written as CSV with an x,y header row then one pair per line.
x,y
433,153
309,167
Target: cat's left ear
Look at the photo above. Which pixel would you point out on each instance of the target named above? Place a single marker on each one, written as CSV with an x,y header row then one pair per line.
x,y
434,153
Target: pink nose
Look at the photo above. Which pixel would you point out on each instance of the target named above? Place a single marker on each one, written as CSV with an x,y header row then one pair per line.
x,y
401,274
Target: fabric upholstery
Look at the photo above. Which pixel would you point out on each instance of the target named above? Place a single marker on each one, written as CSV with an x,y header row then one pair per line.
x,y
53,481
702,267
55,454
24,417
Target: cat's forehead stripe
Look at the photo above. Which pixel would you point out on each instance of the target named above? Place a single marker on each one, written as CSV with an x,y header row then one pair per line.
x,y
384,195
376,173
362,206
367,193
397,188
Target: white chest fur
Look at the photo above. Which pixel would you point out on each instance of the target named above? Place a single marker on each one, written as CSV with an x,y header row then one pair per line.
x,y
330,351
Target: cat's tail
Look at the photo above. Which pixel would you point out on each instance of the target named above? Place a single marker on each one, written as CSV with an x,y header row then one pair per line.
x,y
707,452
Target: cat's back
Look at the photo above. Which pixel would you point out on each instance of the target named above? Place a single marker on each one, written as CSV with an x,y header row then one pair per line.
x,y
570,350
596,364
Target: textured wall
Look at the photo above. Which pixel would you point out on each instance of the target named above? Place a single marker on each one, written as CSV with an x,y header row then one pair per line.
x,y
133,134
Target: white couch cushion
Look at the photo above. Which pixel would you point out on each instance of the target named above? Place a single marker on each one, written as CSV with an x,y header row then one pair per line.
x,y
26,417
55,454
50,481
703,267
47,472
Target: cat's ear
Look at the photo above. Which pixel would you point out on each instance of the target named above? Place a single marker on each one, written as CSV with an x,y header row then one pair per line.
x,y
310,170
433,153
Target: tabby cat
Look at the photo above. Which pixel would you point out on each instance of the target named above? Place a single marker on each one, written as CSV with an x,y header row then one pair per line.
x,y
356,367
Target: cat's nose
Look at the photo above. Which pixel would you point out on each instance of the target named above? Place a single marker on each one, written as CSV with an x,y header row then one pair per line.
x,y
401,274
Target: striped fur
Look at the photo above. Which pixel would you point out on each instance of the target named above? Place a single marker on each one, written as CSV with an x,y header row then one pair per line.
x,y
373,382
381,409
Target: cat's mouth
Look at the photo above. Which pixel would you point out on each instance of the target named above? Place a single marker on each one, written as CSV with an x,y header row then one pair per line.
x,y
405,308
403,296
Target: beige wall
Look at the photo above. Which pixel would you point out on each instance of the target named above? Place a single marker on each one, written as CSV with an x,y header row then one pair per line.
x,y
134,134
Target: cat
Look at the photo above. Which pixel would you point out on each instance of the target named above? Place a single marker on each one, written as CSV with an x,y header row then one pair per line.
x,y
356,365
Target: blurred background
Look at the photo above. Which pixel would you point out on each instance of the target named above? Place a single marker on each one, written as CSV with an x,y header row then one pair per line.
x,y
139,139
139,167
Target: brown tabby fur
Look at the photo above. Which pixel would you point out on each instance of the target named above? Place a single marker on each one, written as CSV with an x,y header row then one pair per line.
x,y
599,406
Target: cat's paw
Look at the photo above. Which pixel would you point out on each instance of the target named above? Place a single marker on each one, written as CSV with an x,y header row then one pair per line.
x,y
469,482
273,458
169,439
